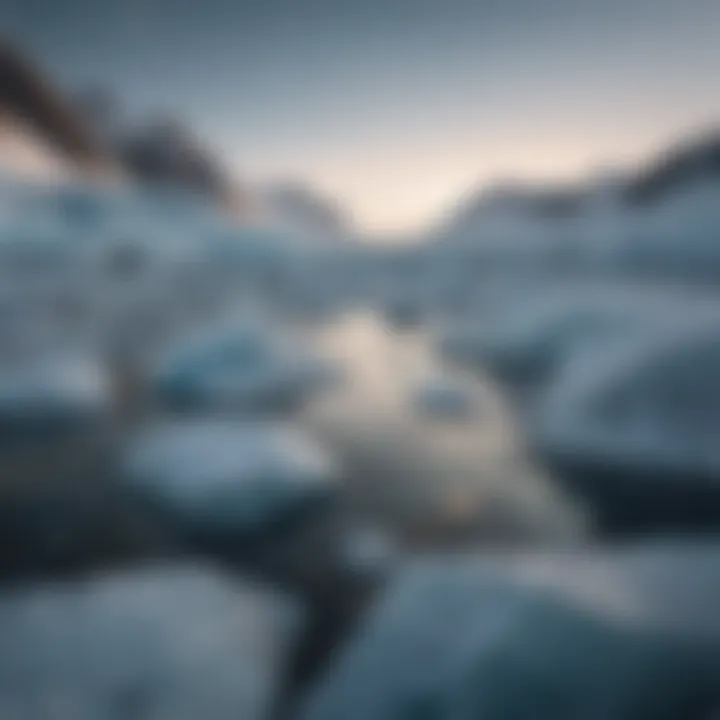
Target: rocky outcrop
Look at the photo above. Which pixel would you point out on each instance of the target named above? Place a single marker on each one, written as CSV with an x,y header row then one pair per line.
x,y
31,107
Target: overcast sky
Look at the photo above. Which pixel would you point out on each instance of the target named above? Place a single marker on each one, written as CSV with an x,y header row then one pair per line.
x,y
396,107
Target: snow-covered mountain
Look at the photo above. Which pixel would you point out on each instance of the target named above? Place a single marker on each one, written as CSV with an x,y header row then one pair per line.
x,y
664,216
298,207
691,163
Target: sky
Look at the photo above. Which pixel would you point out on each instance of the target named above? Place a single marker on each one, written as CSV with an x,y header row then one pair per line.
x,y
396,108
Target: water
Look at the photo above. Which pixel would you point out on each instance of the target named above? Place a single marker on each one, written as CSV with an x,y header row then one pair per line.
x,y
430,481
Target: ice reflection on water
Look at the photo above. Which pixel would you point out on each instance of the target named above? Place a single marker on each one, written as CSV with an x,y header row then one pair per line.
x,y
433,480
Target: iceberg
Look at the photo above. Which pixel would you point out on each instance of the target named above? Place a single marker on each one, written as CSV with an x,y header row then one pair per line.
x,y
52,395
179,641
634,430
525,346
244,370
228,481
570,635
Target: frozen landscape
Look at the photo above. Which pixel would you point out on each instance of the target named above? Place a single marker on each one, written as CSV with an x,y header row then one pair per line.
x,y
314,416
256,465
